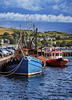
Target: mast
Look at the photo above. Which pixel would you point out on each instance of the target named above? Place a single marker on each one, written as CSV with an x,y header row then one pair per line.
x,y
36,39
36,42
29,26
25,39
20,32
21,42
33,27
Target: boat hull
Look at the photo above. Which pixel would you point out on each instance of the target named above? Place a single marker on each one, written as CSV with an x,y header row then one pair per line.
x,y
28,66
56,62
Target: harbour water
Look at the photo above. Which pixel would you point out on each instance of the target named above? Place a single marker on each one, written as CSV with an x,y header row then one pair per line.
x,y
52,84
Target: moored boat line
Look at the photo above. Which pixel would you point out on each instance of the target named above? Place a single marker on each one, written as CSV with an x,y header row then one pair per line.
x,y
26,59
30,63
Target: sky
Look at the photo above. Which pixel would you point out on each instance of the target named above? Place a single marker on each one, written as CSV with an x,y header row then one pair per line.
x,y
47,15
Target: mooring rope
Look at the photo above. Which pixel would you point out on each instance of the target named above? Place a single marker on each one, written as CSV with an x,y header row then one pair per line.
x,y
11,72
14,70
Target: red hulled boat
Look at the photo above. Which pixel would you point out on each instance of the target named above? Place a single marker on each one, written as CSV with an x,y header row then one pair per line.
x,y
56,59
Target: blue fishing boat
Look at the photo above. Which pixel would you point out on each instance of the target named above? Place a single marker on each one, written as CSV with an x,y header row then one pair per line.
x,y
27,66
25,62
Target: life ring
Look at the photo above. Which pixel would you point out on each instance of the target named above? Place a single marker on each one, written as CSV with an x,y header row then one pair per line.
x,y
29,58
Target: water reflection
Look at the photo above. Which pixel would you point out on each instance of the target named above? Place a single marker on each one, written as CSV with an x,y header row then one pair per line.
x,y
54,83
58,67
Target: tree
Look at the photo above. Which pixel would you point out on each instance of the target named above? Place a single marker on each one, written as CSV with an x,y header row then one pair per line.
x,y
58,38
68,44
18,32
58,44
63,44
14,35
12,41
0,41
6,34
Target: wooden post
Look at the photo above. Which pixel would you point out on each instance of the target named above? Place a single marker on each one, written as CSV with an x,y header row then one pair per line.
x,y
41,51
46,54
37,52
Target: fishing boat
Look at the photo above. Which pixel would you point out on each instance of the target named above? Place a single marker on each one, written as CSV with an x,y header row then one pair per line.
x,y
26,60
56,59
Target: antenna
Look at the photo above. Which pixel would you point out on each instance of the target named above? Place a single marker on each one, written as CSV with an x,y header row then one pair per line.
x,y
33,27
20,30
29,24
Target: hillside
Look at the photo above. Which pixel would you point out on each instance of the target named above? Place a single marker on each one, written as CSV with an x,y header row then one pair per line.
x,y
44,39
49,33
56,34
9,30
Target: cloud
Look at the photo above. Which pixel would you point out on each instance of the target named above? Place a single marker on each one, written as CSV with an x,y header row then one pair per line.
x,y
53,6
34,17
32,5
61,6
53,1
25,4
64,7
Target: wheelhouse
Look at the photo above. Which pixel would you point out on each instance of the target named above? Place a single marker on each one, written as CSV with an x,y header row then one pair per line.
x,y
56,54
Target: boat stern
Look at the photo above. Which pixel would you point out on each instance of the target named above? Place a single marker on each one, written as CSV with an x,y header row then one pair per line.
x,y
66,61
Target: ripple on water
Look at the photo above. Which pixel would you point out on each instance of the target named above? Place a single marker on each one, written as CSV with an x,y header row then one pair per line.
x,y
52,84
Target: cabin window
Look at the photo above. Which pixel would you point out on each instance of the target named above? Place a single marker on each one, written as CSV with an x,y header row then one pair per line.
x,y
35,52
49,54
26,52
60,54
57,54
53,54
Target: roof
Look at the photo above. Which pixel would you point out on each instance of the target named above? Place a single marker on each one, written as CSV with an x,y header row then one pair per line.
x,y
56,51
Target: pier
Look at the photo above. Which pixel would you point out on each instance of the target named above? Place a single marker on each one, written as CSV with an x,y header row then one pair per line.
x,y
47,54
67,53
5,59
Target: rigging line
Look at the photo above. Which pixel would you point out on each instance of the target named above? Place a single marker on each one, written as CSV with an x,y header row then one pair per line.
x,y
12,70
18,43
9,71
43,24
39,24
